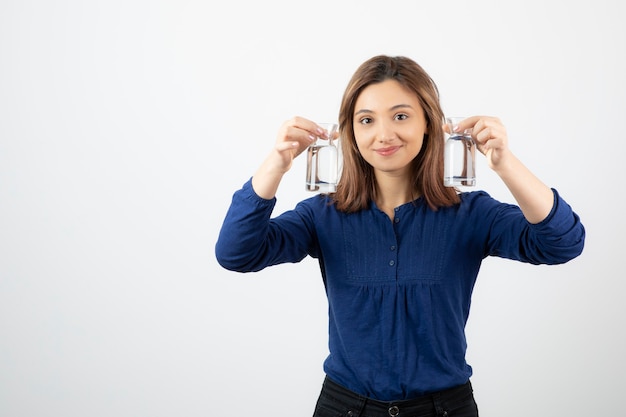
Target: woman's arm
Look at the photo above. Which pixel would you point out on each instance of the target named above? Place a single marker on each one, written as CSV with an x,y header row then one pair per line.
x,y
249,240
534,197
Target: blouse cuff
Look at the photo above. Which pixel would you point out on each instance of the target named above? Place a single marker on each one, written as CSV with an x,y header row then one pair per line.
x,y
248,193
560,217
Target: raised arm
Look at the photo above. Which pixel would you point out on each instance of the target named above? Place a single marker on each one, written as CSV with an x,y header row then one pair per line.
x,y
534,197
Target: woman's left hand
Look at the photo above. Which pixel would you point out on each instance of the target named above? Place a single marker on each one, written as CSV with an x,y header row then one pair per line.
x,y
533,196
490,136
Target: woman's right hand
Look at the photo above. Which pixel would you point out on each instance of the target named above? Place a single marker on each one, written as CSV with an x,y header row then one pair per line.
x,y
294,136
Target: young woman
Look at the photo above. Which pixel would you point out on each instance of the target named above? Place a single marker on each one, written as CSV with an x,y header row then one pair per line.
x,y
399,252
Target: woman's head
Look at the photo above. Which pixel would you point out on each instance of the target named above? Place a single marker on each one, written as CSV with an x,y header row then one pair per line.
x,y
357,186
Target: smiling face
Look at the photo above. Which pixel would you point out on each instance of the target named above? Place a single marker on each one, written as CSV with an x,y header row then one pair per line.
x,y
391,94
389,127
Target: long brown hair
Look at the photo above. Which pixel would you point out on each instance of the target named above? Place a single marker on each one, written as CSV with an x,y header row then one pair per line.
x,y
357,185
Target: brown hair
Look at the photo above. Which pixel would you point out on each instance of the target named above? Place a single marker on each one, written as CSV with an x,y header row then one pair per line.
x,y
357,185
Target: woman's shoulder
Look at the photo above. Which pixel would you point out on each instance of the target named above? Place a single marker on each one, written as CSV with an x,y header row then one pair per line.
x,y
476,196
317,204
481,200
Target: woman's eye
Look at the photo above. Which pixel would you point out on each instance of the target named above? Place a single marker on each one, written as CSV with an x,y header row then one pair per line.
x,y
365,120
401,116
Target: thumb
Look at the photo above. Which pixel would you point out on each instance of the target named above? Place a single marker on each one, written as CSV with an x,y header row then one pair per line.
x,y
287,146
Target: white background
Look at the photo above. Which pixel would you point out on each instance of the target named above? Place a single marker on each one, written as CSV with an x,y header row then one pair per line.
x,y
125,127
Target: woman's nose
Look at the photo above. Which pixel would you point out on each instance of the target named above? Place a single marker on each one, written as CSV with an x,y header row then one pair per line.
x,y
385,132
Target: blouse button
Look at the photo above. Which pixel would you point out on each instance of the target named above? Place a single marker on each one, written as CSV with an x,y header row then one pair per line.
x,y
392,247
392,263
397,220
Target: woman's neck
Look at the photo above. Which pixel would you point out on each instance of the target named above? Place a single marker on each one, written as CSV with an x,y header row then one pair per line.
x,y
393,192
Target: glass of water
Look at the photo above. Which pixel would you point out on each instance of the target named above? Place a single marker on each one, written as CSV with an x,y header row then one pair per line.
x,y
322,164
459,156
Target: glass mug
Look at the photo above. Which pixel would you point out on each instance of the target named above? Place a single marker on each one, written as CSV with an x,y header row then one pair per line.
x,y
459,156
322,162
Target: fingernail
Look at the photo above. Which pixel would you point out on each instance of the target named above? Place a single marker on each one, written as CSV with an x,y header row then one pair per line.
x,y
311,137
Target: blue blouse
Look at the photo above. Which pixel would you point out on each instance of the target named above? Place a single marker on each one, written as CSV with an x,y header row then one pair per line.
x,y
399,291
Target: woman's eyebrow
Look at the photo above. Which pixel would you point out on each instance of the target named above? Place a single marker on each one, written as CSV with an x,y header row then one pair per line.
x,y
396,107
401,106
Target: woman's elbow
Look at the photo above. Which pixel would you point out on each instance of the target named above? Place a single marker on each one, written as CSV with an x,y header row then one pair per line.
x,y
233,261
561,254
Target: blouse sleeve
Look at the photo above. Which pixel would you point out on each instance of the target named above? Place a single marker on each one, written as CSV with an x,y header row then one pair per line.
x,y
557,239
250,240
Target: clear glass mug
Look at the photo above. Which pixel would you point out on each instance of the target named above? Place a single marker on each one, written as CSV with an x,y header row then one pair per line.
x,y
459,156
322,162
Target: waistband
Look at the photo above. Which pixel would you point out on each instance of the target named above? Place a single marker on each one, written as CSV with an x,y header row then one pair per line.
x,y
368,406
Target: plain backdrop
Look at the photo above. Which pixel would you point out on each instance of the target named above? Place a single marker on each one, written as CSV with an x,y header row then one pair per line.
x,y
125,127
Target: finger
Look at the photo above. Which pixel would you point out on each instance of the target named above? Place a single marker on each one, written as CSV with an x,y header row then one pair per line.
x,y
308,126
468,123
297,134
486,128
287,146
491,136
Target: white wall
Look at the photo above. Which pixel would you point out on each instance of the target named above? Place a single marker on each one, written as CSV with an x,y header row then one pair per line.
x,y
125,126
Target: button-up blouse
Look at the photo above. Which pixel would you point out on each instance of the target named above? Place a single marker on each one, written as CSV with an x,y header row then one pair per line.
x,y
399,291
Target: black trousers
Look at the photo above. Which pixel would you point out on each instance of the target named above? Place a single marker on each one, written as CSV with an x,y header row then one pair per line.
x,y
338,401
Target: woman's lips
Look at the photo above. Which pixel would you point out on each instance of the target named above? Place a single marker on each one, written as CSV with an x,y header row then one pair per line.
x,y
387,151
